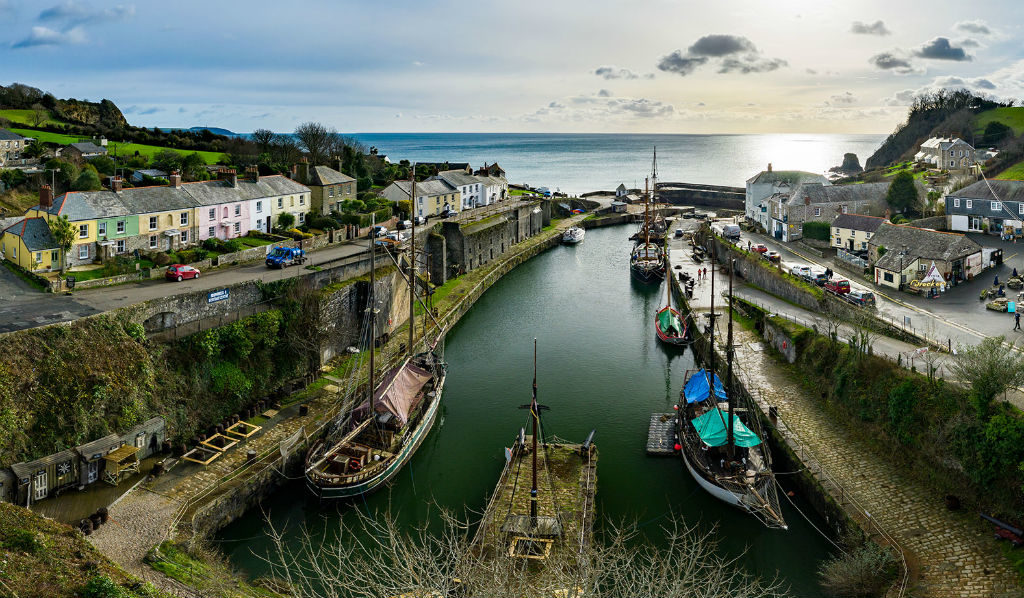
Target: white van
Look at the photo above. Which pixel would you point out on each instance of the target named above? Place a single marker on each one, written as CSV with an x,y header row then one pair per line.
x,y
731,231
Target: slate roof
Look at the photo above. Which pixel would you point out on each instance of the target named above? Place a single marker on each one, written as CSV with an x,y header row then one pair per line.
x,y
458,178
6,135
921,243
103,445
1004,191
151,172
88,147
34,232
787,176
88,205
323,175
428,188
209,193
29,468
819,193
858,222
135,200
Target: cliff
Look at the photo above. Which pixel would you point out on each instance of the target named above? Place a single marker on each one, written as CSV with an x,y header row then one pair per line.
x,y
104,113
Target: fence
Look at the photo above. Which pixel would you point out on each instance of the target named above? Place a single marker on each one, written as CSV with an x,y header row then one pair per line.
x,y
852,259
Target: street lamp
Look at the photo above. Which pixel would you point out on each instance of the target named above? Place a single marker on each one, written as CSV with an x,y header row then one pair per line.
x,y
903,254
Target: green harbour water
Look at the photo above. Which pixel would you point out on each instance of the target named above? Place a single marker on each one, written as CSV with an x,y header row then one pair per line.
x,y
600,367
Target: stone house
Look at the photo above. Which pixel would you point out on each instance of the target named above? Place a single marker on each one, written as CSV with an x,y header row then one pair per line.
x,y
995,205
852,232
770,182
328,187
471,189
901,254
789,207
11,146
84,150
946,153
491,170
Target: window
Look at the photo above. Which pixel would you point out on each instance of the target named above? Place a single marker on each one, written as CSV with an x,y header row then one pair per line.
x,y
14,250
330,192
140,440
152,223
213,213
843,208
996,206
152,241
238,227
225,211
238,209
887,276
952,163
184,218
83,252
280,202
956,202
864,245
302,200
120,246
53,257
259,207
817,211
837,232
302,217
39,256
291,201
213,232
120,227
1020,208
83,231
969,202
101,228
184,236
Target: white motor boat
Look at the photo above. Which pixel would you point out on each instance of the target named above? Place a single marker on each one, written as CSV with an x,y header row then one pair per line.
x,y
573,235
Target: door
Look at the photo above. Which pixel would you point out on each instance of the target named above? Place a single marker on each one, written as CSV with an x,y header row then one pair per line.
x,y
850,243
92,472
40,486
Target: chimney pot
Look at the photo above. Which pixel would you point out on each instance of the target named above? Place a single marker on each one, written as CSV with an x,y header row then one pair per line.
x,y
175,179
116,184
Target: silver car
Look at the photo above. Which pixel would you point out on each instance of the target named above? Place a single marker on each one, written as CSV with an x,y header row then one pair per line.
x,y
801,271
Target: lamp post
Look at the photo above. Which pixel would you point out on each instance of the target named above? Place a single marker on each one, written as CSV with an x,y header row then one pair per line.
x,y
903,254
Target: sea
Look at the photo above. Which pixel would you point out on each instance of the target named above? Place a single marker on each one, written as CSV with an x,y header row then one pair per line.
x,y
581,163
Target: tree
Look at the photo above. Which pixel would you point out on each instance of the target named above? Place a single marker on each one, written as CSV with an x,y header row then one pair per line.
x,y
405,207
167,160
34,150
285,150
39,114
193,167
317,139
103,164
990,368
64,172
285,220
995,132
263,138
902,194
87,181
64,235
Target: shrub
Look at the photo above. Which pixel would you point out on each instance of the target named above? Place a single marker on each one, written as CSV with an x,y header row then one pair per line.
x,y
817,230
101,586
232,245
161,259
136,331
24,541
213,244
864,571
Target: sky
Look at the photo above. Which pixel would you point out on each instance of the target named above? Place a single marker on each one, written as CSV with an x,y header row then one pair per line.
x,y
589,66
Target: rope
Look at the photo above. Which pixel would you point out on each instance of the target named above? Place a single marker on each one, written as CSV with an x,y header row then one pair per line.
x,y
811,523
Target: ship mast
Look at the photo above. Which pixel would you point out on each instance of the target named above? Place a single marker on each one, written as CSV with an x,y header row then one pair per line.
x,y
535,412
372,304
647,221
412,264
728,369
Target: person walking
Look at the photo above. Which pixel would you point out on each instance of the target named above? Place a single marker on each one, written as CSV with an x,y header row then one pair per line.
x,y
1016,319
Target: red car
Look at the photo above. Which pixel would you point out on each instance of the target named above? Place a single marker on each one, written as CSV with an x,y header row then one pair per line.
x,y
760,248
180,272
838,286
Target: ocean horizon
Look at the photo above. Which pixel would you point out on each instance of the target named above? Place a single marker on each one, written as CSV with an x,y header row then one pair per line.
x,y
576,163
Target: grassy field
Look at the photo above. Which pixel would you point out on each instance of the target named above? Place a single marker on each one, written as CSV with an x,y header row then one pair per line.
x,y
25,116
1015,172
15,202
1012,117
120,149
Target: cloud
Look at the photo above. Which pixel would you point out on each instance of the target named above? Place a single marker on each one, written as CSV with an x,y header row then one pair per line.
x,y
734,54
612,72
718,45
640,107
843,98
680,64
969,42
44,36
604,93
976,26
417,63
876,28
811,71
901,98
893,61
940,49
74,12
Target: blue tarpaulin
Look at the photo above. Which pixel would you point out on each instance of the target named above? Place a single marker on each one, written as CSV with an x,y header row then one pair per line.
x,y
697,388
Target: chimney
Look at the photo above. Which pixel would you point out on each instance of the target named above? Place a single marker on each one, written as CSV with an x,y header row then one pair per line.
x,y
336,163
302,172
229,175
116,184
45,197
769,167
253,172
175,179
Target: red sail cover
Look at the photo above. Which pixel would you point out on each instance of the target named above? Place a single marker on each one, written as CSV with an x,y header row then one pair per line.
x,y
399,392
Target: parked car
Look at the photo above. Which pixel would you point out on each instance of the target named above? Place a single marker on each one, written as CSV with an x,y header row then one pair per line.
x,y
837,286
759,248
817,276
403,224
380,231
862,298
180,272
419,220
801,271
398,236
449,213
772,256
282,257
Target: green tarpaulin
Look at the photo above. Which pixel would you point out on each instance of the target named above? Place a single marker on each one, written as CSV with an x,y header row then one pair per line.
x,y
669,323
713,431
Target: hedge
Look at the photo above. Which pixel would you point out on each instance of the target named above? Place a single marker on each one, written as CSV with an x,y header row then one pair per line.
x,y
817,230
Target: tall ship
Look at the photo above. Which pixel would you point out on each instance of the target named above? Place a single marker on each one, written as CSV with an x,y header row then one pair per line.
x,y
366,446
647,258
721,443
539,521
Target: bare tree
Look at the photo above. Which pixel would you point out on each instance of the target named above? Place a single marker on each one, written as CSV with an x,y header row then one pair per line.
x,y
864,333
990,368
317,139
374,557
39,114
285,149
263,138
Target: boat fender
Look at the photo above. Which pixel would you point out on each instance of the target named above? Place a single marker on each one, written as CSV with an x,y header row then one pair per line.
x,y
354,464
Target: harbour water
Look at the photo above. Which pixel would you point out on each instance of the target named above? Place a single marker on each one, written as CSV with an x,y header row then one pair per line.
x,y
601,367
578,163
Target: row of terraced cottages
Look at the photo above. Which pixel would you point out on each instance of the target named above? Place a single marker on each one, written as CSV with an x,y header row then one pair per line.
x,y
78,468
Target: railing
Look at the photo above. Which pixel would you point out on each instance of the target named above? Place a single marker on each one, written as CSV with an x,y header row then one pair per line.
x,y
851,258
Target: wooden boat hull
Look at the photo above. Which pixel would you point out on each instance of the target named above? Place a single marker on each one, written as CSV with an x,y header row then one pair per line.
x,y
714,490
648,275
672,340
374,483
